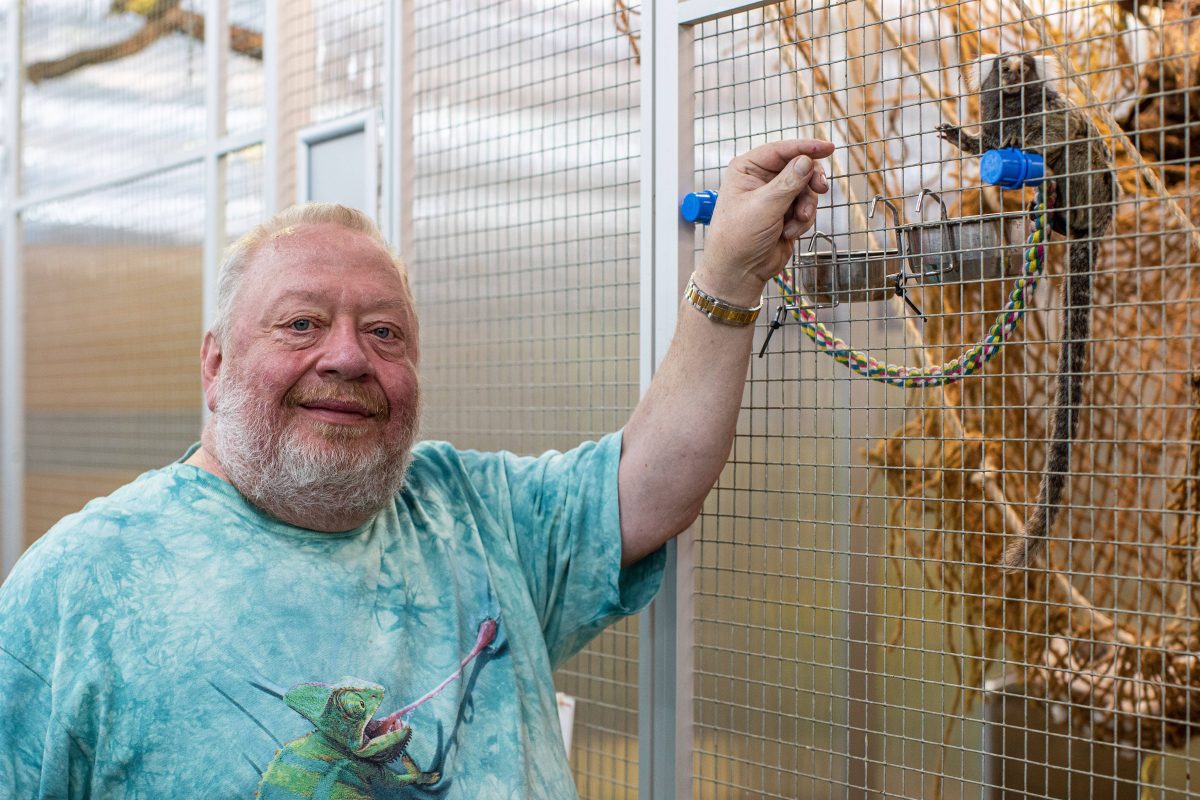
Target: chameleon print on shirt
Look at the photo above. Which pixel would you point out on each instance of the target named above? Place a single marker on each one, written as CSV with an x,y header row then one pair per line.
x,y
347,755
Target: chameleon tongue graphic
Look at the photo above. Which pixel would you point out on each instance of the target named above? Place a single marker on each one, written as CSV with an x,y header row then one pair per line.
x,y
487,635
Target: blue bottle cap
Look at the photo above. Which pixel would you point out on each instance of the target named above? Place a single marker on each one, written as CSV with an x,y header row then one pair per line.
x,y
698,206
1011,168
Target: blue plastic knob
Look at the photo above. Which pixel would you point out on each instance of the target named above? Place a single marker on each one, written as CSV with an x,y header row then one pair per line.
x,y
1011,168
698,206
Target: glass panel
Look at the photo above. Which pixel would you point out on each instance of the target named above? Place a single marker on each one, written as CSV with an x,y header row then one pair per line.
x,y
245,109
112,338
526,270
109,92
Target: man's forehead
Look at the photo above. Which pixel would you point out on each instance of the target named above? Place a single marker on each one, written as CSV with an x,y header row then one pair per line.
x,y
320,236
305,263
322,246
381,301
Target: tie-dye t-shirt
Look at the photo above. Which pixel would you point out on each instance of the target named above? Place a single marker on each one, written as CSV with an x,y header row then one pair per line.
x,y
170,640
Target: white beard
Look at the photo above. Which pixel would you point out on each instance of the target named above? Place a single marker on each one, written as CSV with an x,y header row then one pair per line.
x,y
285,475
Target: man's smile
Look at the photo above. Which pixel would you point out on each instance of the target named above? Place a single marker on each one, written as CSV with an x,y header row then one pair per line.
x,y
338,405
338,411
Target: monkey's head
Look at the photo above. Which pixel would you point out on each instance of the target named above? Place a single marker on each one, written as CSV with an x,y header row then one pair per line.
x,y
1016,72
1014,86
1011,73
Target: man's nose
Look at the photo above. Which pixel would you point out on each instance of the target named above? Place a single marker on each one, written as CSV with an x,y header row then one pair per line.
x,y
344,354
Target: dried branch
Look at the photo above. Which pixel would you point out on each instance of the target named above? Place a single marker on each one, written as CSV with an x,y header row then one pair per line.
x,y
623,25
171,20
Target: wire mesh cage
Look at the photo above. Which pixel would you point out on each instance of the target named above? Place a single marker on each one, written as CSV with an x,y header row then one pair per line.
x,y
115,260
914,668
330,66
115,109
245,89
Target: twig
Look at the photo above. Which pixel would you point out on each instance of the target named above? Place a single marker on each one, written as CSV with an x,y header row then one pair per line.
x,y
176,20
624,27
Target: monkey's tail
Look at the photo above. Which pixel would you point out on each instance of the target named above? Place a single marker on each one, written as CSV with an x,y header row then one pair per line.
x,y
1077,297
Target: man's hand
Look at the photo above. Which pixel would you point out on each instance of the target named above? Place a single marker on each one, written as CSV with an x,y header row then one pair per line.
x,y
767,199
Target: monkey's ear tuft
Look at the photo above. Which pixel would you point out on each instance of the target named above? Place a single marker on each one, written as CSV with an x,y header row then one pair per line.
x,y
1048,67
970,75
975,72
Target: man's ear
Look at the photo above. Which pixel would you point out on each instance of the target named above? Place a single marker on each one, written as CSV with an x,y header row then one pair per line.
x,y
210,368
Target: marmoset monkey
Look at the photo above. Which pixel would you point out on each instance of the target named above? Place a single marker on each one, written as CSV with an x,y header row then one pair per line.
x,y
1019,108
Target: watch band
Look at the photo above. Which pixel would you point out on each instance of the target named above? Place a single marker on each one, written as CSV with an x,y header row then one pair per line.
x,y
717,309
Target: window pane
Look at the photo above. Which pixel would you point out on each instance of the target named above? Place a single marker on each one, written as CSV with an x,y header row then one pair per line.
x,y
112,339
244,80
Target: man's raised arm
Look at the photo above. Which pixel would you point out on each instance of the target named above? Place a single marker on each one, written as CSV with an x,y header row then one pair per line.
x,y
679,436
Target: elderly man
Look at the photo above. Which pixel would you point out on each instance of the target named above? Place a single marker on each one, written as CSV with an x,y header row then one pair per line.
x,y
308,605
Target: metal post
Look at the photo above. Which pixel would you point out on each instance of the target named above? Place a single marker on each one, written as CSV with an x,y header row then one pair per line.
x,y
665,636
216,57
271,29
12,339
850,777
397,211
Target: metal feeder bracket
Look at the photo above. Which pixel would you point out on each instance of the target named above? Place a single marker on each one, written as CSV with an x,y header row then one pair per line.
x,y
967,249
827,279
939,252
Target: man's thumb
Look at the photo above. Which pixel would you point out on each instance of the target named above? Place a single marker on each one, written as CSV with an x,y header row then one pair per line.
x,y
792,179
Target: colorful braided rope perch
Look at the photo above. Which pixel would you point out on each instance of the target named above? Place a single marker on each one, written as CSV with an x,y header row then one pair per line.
x,y
971,359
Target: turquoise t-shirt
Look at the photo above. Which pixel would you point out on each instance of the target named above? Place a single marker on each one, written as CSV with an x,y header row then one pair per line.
x,y
170,640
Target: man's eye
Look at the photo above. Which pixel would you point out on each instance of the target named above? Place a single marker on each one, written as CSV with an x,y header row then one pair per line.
x,y
383,333
301,325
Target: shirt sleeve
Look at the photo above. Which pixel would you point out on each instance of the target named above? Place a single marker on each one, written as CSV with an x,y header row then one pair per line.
x,y
36,750
563,518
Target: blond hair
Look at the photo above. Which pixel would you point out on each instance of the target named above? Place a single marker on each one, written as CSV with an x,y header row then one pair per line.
x,y
240,255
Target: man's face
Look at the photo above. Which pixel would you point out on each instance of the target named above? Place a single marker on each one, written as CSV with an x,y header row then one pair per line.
x,y
316,385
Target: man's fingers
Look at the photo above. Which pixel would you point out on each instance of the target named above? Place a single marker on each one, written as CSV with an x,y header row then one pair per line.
x,y
819,182
791,180
793,222
807,211
800,214
762,164
804,207
803,211
774,156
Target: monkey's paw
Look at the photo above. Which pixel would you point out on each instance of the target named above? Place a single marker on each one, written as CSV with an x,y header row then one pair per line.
x,y
951,133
